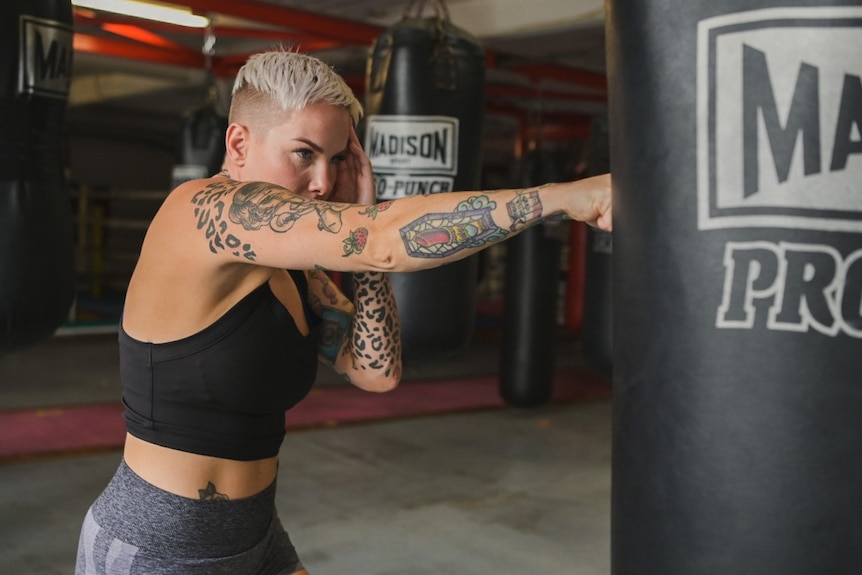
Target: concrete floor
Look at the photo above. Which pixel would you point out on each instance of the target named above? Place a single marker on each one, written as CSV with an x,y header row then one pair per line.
x,y
507,491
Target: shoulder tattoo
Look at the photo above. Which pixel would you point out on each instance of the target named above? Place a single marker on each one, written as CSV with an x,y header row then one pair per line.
x,y
255,205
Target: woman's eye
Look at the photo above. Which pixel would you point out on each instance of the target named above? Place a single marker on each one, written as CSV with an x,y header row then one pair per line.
x,y
337,159
305,153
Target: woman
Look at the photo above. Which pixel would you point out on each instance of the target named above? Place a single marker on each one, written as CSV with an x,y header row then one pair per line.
x,y
229,309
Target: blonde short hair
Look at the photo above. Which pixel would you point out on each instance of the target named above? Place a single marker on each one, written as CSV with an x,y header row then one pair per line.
x,y
290,81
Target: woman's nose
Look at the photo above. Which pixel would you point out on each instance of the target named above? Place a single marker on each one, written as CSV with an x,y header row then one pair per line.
x,y
322,181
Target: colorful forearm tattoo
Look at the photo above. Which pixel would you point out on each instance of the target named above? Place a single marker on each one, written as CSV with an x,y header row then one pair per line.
x,y
335,321
439,235
332,332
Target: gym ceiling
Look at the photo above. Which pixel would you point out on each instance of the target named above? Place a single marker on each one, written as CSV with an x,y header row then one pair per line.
x,y
545,58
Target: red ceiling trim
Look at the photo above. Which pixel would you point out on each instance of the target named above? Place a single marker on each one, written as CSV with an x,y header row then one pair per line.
x,y
141,35
121,49
86,20
291,18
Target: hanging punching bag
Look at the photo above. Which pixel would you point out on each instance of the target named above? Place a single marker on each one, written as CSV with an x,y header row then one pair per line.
x,y
201,148
424,104
736,148
530,300
597,330
37,272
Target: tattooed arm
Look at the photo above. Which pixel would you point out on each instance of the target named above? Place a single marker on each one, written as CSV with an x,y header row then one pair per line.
x,y
265,224
360,340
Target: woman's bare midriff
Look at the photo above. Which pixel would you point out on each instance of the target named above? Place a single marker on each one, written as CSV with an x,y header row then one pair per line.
x,y
190,474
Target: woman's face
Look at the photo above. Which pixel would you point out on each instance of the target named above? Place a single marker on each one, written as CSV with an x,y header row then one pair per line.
x,y
303,152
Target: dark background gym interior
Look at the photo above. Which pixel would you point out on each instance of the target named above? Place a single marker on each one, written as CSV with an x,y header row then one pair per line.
x,y
442,478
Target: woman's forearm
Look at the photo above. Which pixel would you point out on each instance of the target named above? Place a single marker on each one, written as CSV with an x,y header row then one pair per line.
x,y
428,231
373,346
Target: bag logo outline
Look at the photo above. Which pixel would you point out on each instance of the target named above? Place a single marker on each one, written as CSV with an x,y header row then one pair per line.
x,y
720,144
412,155
45,57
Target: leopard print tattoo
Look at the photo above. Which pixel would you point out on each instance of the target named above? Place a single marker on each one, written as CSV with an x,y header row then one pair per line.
x,y
210,210
375,331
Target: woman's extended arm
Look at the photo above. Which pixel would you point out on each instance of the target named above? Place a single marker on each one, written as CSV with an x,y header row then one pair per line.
x,y
265,224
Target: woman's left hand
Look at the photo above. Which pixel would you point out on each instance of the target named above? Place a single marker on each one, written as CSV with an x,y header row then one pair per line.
x,y
355,181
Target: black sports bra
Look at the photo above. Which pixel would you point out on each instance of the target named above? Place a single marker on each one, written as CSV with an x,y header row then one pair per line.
x,y
223,391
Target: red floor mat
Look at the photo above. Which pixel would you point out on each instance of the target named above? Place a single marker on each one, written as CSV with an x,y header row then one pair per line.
x,y
39,432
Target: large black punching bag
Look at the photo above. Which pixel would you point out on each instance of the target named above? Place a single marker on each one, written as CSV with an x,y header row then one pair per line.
x,y
736,148
37,272
424,104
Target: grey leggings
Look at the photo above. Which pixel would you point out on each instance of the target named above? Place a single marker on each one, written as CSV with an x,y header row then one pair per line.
x,y
135,528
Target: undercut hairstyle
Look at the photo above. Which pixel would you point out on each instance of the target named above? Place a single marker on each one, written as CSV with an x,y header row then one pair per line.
x,y
282,81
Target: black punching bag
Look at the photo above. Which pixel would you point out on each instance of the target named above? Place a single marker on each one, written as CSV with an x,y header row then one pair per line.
x,y
530,302
736,148
201,146
37,272
597,327
424,104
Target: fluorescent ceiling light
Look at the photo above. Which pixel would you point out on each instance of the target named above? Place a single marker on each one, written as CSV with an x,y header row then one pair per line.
x,y
158,12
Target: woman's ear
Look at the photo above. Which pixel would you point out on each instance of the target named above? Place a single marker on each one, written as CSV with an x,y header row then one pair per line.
x,y
236,142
